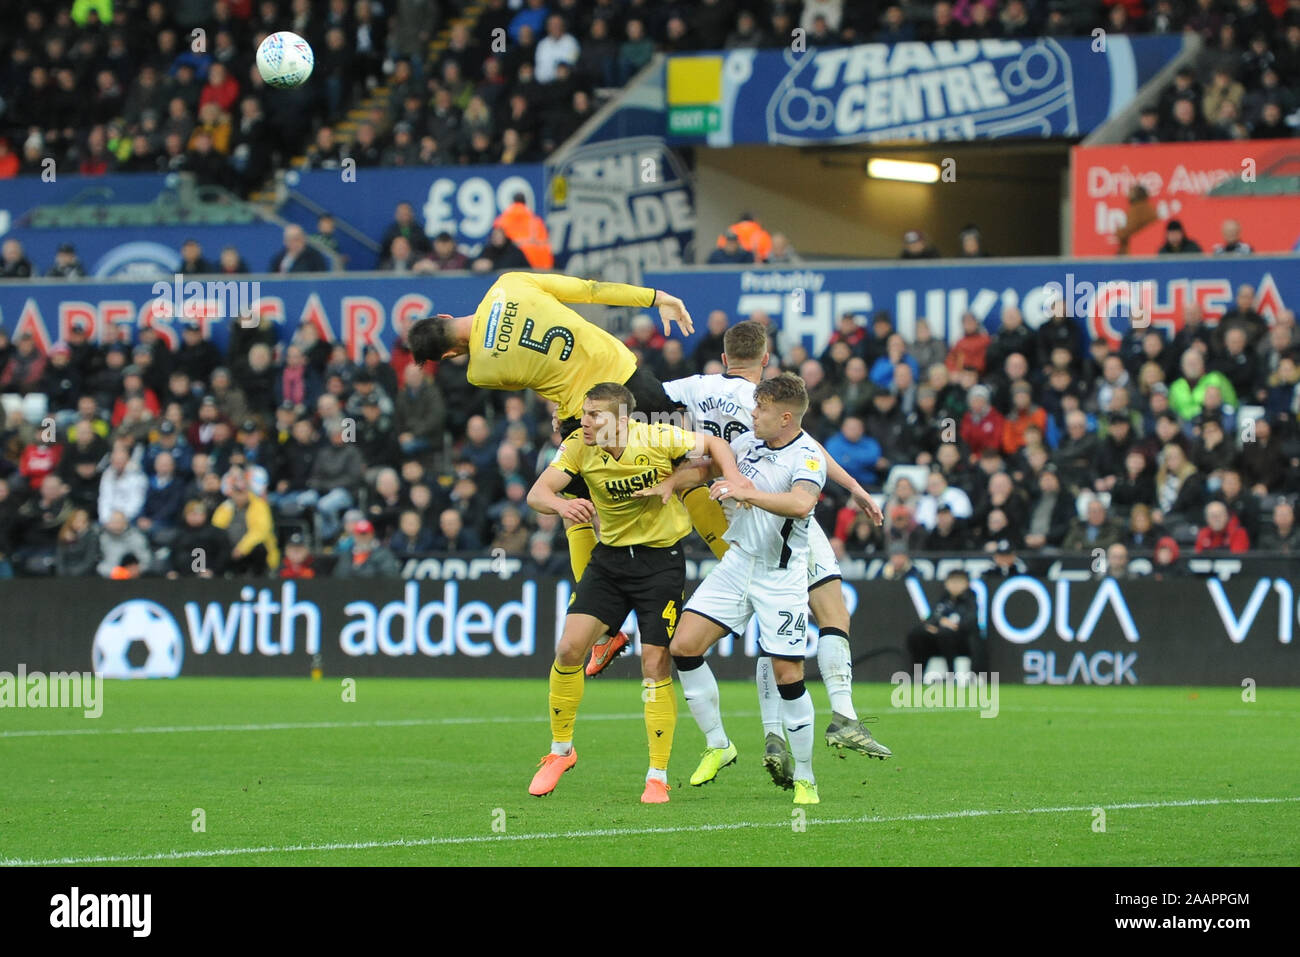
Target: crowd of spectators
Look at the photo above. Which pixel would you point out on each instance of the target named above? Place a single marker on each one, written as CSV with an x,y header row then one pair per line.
x,y
143,456
1244,85
141,85
145,86
1028,439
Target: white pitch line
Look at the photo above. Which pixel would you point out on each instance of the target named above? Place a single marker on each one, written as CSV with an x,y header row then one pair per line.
x,y
631,716
319,726
632,832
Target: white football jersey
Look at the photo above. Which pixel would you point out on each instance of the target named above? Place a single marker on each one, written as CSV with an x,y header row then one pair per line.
x,y
774,539
719,405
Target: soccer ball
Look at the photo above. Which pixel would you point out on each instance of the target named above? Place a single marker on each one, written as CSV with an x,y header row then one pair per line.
x,y
138,639
285,60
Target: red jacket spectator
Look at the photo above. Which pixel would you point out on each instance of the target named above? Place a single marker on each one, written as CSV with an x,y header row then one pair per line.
x,y
844,519
645,336
402,358
1232,537
982,433
848,331
150,403
39,460
221,89
304,569
968,351
24,371
9,164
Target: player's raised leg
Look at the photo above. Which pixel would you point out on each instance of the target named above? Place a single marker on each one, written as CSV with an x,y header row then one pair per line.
x,y
582,542
566,685
707,518
835,661
695,635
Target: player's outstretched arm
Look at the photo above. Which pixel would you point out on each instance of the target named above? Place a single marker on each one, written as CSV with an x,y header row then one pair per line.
x,y
861,498
688,475
672,309
544,497
796,503
718,449
573,289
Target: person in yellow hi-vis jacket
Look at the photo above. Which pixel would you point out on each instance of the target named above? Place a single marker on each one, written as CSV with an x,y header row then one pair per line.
x,y
247,519
523,336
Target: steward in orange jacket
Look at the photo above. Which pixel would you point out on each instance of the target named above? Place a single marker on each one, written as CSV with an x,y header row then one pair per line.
x,y
527,230
752,237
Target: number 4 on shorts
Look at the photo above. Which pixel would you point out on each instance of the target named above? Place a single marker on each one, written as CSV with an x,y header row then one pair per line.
x,y
670,616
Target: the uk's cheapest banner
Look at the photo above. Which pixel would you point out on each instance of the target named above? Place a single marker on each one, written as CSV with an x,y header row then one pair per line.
x,y
805,301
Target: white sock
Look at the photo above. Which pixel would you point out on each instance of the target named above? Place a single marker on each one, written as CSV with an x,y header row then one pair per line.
x,y
836,663
769,699
657,774
561,747
799,716
700,689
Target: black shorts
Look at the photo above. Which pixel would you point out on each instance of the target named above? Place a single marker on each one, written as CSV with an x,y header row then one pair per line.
x,y
649,392
649,581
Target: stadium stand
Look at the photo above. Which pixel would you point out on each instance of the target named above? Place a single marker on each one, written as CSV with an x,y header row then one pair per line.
x,y
1101,448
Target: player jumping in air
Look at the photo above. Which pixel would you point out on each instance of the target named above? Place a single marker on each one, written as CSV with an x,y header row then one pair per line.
x,y
723,405
638,565
523,336
763,573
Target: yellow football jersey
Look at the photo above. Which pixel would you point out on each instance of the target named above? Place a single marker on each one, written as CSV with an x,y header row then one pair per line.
x,y
524,337
652,453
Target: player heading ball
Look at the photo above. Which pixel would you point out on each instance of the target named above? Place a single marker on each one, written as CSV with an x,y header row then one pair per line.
x,y
763,573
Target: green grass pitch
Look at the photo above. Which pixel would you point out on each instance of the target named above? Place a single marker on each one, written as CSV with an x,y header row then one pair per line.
x,y
431,772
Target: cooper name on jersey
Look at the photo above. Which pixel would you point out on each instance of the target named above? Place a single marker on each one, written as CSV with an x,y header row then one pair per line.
x,y
500,326
620,489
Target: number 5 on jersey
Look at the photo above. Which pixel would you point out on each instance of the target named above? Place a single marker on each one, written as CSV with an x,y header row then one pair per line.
x,y
543,345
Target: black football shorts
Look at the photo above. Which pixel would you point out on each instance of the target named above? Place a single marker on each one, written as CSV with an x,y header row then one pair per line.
x,y
620,579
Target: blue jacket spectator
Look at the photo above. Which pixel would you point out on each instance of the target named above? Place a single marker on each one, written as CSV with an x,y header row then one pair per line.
x,y
532,15
171,442
165,498
882,372
856,451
